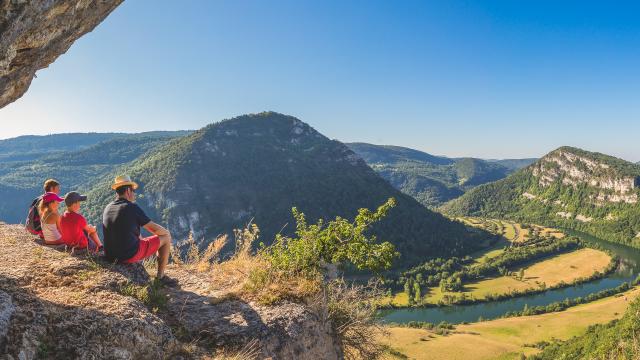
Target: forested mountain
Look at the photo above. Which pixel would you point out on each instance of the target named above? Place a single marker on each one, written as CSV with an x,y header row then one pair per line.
x,y
84,162
256,168
430,179
569,187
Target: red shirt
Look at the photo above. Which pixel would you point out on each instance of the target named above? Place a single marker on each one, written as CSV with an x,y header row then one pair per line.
x,y
72,226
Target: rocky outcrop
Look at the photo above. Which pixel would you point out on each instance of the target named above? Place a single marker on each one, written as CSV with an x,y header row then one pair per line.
x,y
286,331
58,305
34,33
573,169
6,311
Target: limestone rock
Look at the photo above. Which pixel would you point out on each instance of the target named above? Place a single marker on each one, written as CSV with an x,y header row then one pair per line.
x,y
35,32
285,331
6,311
575,170
71,306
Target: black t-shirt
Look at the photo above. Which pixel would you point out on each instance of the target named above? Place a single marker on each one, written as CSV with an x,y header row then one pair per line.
x,y
121,222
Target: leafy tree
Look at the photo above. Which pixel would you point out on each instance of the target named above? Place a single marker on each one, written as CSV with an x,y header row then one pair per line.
x,y
417,292
407,288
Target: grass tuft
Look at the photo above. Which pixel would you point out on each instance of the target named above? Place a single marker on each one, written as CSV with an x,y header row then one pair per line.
x,y
151,294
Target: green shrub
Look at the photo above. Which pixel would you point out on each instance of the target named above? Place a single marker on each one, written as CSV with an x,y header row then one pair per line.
x,y
336,242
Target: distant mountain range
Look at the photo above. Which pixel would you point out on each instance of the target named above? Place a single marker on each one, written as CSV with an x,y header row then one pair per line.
x,y
514,164
33,147
252,168
568,187
433,180
76,160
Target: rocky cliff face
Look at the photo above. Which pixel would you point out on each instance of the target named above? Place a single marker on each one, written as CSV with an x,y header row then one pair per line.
x,y
574,169
569,187
56,305
34,33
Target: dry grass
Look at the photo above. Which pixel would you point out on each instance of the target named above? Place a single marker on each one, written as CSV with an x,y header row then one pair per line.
x,y
352,313
200,260
250,276
251,351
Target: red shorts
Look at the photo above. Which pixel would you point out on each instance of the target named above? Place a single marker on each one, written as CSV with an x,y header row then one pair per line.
x,y
146,248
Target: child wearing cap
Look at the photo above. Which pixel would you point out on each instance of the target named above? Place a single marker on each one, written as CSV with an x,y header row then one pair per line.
x,y
34,216
74,226
50,223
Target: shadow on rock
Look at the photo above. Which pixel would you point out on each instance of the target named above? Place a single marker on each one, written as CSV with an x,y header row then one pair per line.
x,y
43,329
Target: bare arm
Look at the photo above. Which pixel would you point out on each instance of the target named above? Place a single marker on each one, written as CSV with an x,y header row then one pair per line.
x,y
156,229
89,229
93,235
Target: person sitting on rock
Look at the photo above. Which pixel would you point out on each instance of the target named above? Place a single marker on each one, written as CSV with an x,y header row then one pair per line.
x,y
50,223
33,217
74,226
121,222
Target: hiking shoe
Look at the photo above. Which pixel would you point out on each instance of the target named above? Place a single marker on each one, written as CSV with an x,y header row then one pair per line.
x,y
167,281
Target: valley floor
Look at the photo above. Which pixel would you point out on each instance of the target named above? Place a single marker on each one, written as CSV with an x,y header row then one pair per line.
x,y
506,338
565,268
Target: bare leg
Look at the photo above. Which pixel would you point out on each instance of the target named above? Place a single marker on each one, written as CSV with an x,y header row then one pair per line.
x,y
163,254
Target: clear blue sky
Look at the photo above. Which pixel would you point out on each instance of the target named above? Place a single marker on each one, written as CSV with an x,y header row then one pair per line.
x,y
459,78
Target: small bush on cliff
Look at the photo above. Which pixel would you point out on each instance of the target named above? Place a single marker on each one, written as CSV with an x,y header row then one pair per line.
x,y
296,269
337,242
312,254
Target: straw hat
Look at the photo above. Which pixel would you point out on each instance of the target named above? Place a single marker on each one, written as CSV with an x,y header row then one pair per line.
x,y
122,180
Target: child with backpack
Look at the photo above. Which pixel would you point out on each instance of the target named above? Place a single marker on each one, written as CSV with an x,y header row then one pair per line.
x,y
33,218
50,224
74,226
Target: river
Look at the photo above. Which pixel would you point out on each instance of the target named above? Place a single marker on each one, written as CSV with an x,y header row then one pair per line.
x,y
627,271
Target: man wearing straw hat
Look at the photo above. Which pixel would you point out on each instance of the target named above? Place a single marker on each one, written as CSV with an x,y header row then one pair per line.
x,y
122,220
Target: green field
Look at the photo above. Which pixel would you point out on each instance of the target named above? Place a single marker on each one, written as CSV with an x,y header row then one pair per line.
x,y
506,338
560,268
552,271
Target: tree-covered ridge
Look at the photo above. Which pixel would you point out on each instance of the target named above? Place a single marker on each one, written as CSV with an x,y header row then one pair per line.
x,y
256,168
33,147
594,193
514,164
76,170
432,180
30,147
390,154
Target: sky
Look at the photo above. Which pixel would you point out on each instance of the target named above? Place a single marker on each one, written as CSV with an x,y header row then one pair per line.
x,y
490,79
